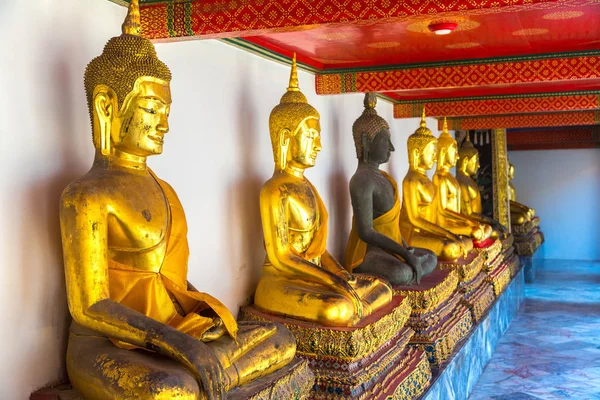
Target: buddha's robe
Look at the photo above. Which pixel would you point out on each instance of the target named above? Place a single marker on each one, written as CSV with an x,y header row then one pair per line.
x,y
151,292
387,224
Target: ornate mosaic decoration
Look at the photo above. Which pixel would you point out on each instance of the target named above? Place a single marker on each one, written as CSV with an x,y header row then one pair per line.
x,y
463,75
215,18
495,105
525,120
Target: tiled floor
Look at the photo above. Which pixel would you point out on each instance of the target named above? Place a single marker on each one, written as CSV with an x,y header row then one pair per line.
x,y
552,348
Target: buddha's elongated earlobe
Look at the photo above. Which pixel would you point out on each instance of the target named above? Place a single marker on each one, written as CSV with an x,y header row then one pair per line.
x,y
365,146
104,113
284,144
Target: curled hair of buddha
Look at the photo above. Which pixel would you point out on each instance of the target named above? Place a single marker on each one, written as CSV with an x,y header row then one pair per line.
x,y
124,60
467,150
422,136
292,109
369,124
445,139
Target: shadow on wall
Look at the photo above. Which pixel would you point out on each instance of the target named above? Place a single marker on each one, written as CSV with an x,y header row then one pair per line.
x,y
244,218
340,195
41,261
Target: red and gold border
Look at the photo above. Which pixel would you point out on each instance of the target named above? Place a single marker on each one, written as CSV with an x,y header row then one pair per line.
x,y
524,120
545,139
499,105
236,18
468,75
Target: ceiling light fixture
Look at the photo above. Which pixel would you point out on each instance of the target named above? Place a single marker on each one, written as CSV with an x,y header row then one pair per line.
x,y
442,28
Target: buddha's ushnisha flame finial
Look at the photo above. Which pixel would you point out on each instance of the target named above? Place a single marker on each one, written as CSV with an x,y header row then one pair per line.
x,y
445,126
294,86
423,122
370,100
132,24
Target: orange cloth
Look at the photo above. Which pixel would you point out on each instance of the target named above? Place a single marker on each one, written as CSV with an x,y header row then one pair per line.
x,y
387,224
150,292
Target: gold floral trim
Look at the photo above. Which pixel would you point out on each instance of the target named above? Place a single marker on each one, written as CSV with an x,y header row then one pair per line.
x,y
466,272
491,252
345,344
529,247
527,227
414,384
423,301
411,386
507,242
296,384
479,300
440,343
499,278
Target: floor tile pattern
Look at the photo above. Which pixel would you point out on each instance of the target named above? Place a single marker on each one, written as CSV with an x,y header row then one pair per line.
x,y
552,348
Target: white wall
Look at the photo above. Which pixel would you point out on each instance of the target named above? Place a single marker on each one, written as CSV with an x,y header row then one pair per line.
x,y
217,156
45,143
564,187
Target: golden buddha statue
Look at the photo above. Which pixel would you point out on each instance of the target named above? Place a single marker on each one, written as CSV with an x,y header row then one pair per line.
x,y
418,216
126,252
375,243
470,196
519,213
449,195
300,279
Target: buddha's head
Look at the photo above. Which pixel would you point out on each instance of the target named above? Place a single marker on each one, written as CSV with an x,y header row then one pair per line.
x,y
469,158
295,128
128,93
371,134
447,148
511,171
422,147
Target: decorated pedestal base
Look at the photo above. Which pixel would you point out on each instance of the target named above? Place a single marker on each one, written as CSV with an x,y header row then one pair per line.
x,y
528,242
368,361
527,245
294,382
439,318
473,284
478,295
498,274
459,375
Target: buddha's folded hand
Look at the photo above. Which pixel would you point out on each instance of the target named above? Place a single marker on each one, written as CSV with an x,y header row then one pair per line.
x,y
207,369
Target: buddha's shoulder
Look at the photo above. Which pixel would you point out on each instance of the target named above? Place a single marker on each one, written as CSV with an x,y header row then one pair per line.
x,y
92,184
283,185
362,180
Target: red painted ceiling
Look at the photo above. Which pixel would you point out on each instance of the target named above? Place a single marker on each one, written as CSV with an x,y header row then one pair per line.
x,y
560,28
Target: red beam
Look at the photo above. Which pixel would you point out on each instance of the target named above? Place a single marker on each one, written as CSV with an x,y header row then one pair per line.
x,y
513,72
499,105
238,18
524,121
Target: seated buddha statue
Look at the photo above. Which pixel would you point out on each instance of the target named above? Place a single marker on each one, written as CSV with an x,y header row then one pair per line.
x,y
375,245
448,192
418,222
140,330
470,196
300,279
519,213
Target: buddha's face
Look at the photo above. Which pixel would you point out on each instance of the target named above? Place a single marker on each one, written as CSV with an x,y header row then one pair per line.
x,y
381,147
305,144
427,155
473,165
511,171
451,155
143,124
